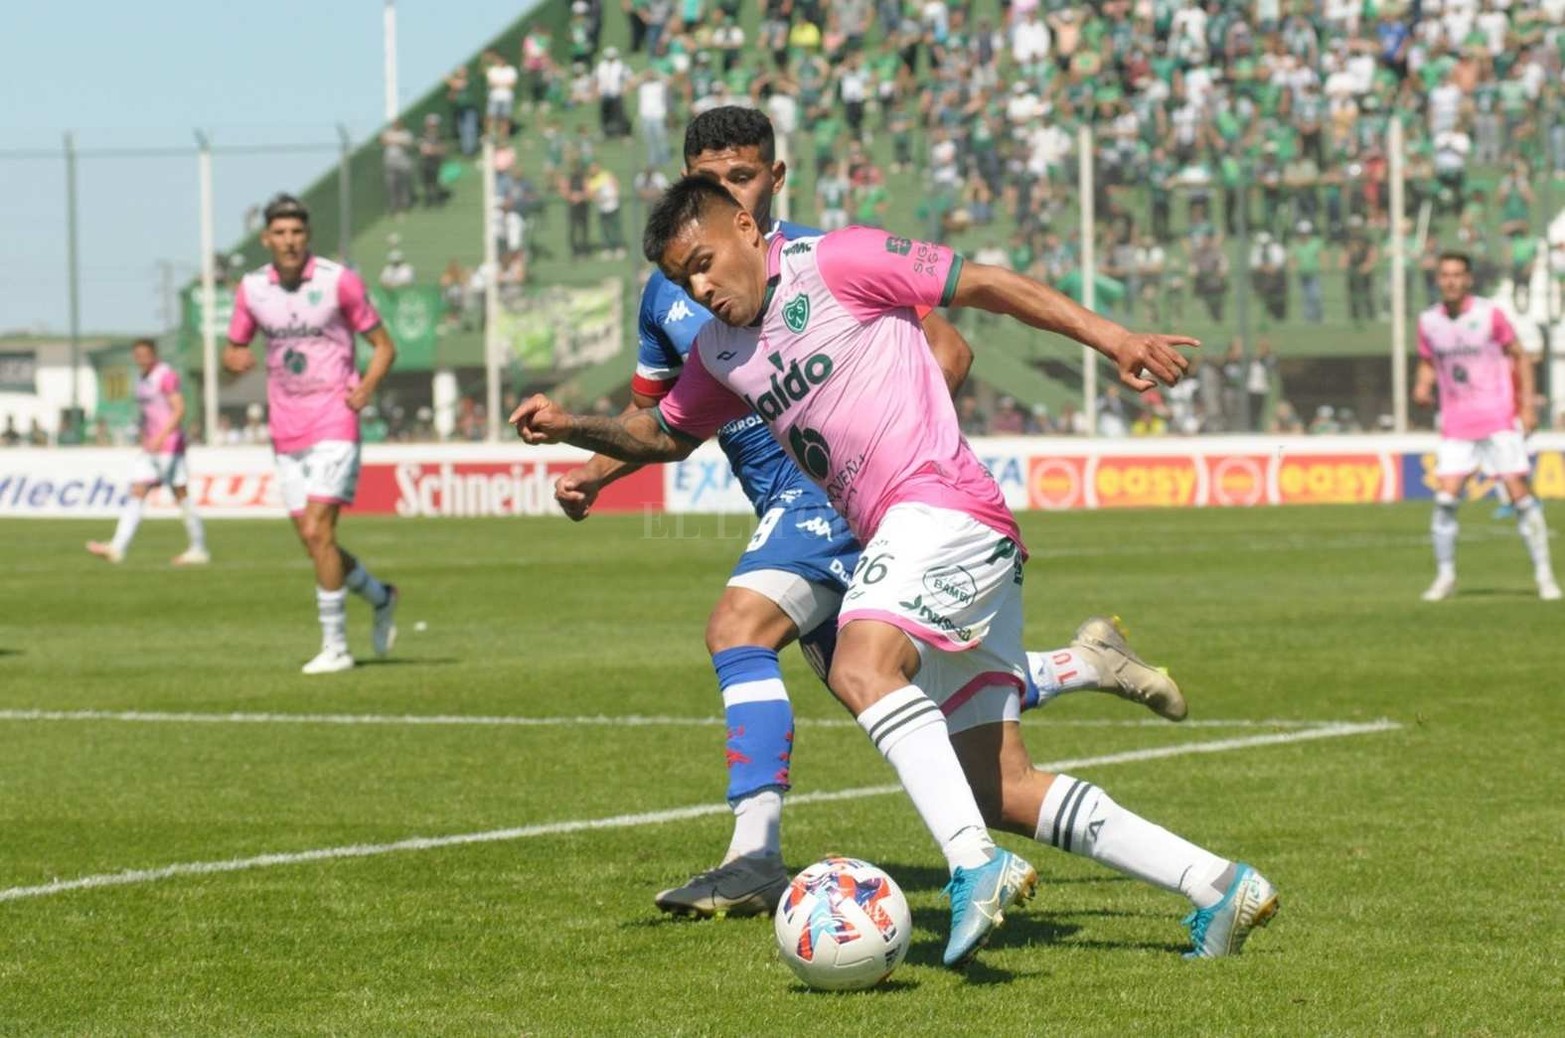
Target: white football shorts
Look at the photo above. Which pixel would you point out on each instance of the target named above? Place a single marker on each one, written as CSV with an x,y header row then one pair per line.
x,y
151,470
954,587
1501,454
326,471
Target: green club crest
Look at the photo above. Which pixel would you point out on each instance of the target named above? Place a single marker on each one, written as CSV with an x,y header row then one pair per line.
x,y
796,312
314,296
294,361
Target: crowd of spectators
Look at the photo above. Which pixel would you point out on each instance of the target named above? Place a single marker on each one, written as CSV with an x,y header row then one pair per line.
x,y
1198,106
1214,121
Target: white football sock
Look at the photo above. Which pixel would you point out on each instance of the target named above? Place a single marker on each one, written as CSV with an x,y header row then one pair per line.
x,y
1443,528
757,825
910,732
193,528
1080,818
361,583
333,609
130,518
1535,533
1059,671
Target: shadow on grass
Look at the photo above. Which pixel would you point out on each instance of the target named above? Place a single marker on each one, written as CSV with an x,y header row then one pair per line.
x,y
1496,592
930,877
10,652
402,661
886,987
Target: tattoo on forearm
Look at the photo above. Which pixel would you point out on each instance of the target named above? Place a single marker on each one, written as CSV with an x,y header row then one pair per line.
x,y
635,437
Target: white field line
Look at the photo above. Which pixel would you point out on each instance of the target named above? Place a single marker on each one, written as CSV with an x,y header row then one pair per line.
x,y
1264,545
426,843
596,720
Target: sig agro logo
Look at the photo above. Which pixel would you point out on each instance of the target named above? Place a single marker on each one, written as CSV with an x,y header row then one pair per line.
x,y
796,313
790,386
951,586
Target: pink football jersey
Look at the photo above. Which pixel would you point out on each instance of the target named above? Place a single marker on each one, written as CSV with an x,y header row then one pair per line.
x,y
1477,383
309,350
840,370
153,393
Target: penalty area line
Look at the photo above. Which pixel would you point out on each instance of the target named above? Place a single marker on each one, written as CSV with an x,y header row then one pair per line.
x,y
429,843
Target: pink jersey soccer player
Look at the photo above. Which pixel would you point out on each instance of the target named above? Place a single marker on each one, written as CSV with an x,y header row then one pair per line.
x,y
819,337
1467,346
160,434
310,309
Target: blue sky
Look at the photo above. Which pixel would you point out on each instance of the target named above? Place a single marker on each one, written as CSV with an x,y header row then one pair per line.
x,y
148,75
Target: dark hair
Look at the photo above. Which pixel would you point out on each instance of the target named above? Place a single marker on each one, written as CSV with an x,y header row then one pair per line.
x,y
1453,256
680,205
148,343
730,126
285,206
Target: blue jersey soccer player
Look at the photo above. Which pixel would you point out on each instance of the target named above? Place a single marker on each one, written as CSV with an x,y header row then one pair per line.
x,y
789,581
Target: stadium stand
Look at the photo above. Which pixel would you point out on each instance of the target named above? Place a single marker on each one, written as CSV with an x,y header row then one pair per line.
x,y
957,121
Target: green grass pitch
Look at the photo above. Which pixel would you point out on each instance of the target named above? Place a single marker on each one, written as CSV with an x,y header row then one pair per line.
x,y
1420,867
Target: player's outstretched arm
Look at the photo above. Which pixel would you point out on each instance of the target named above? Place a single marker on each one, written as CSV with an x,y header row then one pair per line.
x,y
577,490
636,436
1003,291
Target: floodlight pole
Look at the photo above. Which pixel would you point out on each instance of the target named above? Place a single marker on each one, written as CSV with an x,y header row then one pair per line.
x,y
389,57
1089,272
1398,278
491,296
209,374
345,195
73,271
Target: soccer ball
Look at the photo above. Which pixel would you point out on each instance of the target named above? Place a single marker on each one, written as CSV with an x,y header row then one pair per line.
x,y
843,925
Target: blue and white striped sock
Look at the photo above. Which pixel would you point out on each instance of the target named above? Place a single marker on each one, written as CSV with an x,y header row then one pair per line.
x,y
759,720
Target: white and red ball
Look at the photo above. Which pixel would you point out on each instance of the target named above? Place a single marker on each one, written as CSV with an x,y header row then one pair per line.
x,y
843,925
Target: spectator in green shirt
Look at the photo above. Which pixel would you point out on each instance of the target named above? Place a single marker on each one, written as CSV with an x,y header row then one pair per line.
x,y
1305,255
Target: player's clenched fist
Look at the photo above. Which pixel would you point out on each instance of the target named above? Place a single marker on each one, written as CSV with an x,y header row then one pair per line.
x,y
575,493
540,420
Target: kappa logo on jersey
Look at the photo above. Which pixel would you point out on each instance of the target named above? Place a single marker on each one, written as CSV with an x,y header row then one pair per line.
x,y
678,312
816,525
793,386
796,313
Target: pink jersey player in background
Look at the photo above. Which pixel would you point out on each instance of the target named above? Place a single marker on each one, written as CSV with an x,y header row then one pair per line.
x,y
820,337
310,309
1468,348
160,439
